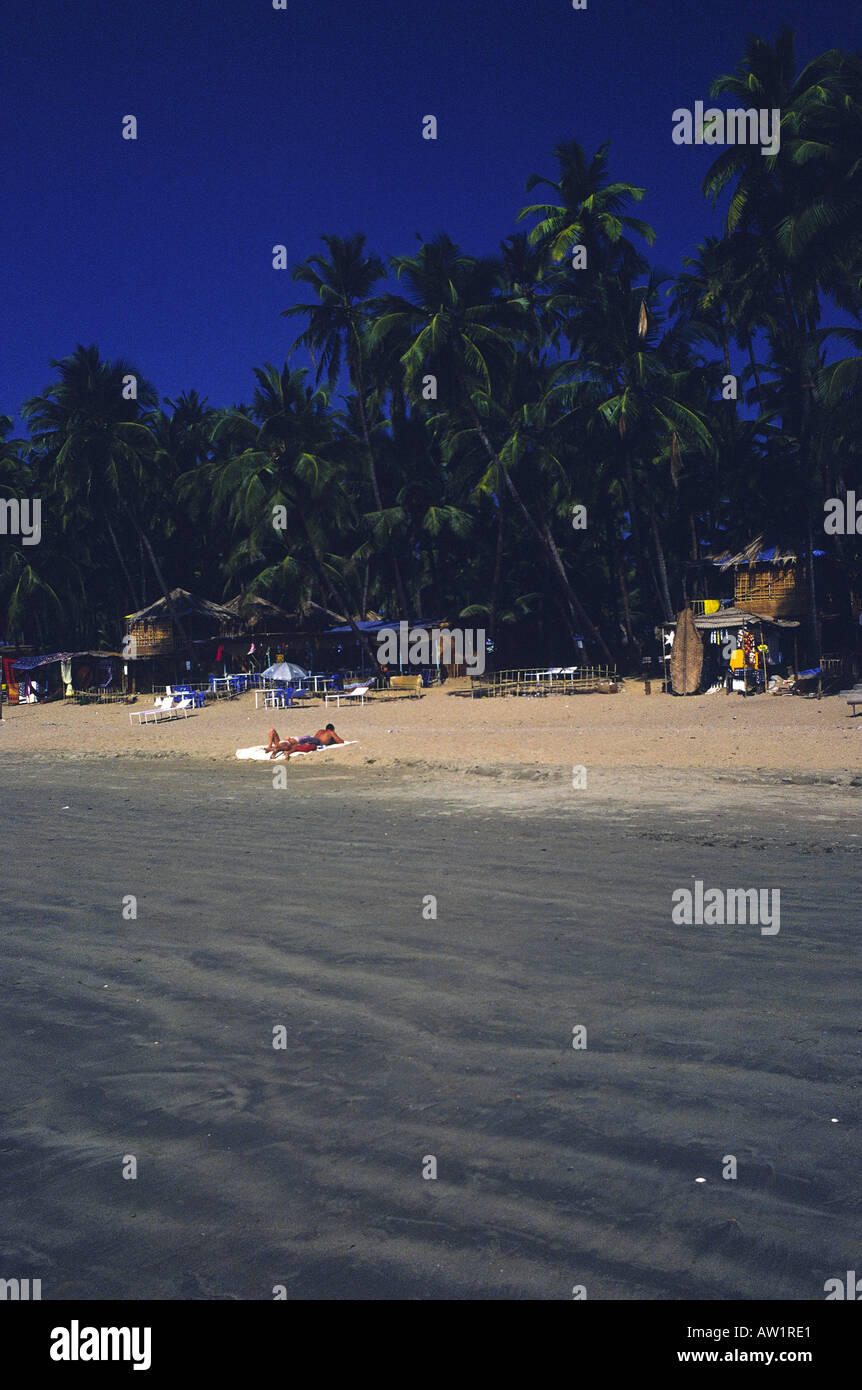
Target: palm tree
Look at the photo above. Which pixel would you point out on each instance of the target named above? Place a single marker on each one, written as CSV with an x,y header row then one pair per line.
x,y
336,334
284,452
591,213
645,380
802,200
456,326
95,447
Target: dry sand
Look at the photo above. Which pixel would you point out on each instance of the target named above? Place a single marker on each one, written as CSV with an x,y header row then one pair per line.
x,y
409,1036
715,733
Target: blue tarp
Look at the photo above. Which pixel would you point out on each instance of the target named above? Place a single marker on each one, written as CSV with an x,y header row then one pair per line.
x,y
767,556
29,663
378,627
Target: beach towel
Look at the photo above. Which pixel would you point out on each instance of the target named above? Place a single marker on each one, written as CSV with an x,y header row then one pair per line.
x,y
258,753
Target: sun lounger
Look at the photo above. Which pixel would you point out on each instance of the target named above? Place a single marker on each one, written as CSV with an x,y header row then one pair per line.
x,y
154,713
358,694
163,709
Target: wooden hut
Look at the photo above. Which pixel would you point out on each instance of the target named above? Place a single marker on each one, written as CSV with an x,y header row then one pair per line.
x,y
168,641
772,582
154,632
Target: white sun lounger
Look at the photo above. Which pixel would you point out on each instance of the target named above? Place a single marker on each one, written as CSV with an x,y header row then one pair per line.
x,y
358,694
162,709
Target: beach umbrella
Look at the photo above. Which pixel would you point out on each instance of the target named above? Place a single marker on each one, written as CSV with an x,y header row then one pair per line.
x,y
286,671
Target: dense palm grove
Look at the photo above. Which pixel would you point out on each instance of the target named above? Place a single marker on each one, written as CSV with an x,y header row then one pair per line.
x,y
483,400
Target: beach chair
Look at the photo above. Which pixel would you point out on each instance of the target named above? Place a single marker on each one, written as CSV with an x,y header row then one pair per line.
x,y
197,698
406,685
154,713
280,698
358,694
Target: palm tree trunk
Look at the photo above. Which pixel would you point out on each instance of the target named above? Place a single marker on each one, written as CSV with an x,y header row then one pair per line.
x,y
662,567
331,589
135,600
616,561
756,374
498,573
644,565
372,473
546,540
160,580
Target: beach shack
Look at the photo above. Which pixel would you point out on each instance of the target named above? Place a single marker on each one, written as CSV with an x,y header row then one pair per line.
x,y
775,583
741,649
430,636
770,581
60,675
169,640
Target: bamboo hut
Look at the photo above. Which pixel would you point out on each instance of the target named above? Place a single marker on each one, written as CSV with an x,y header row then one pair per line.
x,y
772,582
167,640
154,632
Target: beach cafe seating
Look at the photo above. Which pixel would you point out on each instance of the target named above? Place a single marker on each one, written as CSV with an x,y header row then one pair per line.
x,y
280,698
196,698
357,694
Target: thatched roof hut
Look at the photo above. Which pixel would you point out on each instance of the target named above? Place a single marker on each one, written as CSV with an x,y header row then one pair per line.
x,y
257,615
771,581
154,631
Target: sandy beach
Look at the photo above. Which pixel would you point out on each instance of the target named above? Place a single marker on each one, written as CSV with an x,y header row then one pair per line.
x,y
409,1036
442,733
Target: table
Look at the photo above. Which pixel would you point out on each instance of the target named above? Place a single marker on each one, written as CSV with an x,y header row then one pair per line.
x,y
272,699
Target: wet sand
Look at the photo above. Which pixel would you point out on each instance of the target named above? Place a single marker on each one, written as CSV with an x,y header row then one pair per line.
x,y
407,1037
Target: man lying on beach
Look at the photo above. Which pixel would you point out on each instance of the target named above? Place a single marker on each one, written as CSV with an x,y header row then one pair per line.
x,y
309,743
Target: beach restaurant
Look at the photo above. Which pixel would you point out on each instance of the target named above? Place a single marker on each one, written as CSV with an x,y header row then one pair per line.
x,y
376,631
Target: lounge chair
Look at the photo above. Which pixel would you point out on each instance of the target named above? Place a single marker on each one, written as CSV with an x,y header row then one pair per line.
x,y
406,685
163,708
153,714
359,694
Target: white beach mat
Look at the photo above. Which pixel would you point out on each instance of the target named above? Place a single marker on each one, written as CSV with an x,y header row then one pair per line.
x,y
258,753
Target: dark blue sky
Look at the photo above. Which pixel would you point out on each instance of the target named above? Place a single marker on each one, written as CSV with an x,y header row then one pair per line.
x,y
259,126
